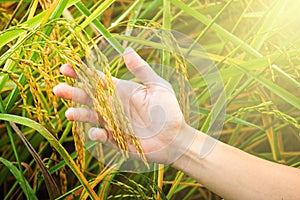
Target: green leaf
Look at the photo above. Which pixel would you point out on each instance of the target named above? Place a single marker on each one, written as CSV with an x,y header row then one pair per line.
x,y
275,88
51,186
28,191
100,27
55,143
219,29
32,23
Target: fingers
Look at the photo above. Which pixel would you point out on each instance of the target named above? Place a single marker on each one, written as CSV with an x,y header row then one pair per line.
x,y
98,134
139,67
103,78
68,70
83,115
71,93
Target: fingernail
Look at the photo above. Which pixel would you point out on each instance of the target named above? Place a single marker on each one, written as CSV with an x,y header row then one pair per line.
x,y
54,89
92,134
59,89
63,67
128,50
69,114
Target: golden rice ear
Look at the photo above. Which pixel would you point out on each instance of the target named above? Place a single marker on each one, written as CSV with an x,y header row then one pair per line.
x,y
112,112
171,43
43,76
78,136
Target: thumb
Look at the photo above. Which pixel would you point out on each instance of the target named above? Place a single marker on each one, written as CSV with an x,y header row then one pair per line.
x,y
139,67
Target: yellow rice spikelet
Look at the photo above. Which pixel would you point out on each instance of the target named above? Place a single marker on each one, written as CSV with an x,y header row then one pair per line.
x,y
180,66
78,137
107,104
63,180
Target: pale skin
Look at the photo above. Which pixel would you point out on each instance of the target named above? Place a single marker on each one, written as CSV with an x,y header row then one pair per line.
x,y
225,170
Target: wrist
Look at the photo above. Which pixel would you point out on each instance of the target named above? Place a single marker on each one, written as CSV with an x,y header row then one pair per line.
x,y
190,151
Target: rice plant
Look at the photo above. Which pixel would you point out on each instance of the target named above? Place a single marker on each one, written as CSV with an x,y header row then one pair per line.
x,y
254,45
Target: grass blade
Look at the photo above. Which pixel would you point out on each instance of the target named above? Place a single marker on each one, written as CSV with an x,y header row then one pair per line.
x,y
11,138
32,23
91,17
275,88
167,20
53,141
129,10
175,184
51,186
20,178
101,28
208,27
268,25
226,34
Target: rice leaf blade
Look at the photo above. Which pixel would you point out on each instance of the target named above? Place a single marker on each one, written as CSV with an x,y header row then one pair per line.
x,y
53,141
27,189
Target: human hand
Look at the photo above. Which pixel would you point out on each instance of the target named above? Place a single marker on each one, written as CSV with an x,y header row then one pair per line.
x,y
151,107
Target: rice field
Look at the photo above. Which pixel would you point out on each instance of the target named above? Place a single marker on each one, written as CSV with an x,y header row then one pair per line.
x,y
250,47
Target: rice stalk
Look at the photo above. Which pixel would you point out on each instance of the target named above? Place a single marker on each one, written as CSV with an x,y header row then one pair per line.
x,y
106,101
250,22
176,182
21,180
63,180
54,142
263,108
107,105
272,136
171,44
78,136
41,78
160,179
84,194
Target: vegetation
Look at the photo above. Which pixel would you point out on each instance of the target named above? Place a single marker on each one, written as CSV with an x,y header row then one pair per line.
x,y
254,45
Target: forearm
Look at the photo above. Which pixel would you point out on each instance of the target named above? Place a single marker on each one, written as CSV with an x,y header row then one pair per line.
x,y
234,174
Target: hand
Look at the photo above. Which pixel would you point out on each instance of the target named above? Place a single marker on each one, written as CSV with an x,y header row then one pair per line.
x,y
151,107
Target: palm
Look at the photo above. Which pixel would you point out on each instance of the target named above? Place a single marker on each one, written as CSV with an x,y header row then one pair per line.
x,y
152,109
156,121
